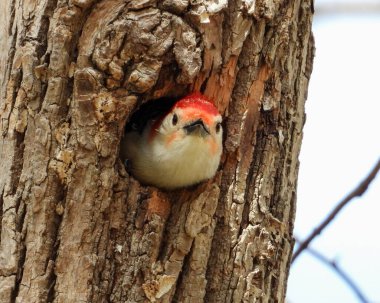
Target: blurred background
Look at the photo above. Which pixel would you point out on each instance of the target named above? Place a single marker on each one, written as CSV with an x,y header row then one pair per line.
x,y
341,145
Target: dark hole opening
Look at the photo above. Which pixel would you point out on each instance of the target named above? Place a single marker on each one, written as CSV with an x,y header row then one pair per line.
x,y
149,110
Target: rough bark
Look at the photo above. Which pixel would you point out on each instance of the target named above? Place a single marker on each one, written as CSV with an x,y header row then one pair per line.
x,y
74,226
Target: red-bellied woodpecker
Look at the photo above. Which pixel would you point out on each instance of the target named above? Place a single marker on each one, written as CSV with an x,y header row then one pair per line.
x,y
177,148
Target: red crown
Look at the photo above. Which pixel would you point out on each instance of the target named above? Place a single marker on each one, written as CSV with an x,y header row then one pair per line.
x,y
198,101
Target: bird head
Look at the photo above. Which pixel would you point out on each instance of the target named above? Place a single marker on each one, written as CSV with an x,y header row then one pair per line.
x,y
192,119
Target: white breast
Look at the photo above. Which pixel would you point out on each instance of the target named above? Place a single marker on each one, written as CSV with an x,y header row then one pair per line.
x,y
182,163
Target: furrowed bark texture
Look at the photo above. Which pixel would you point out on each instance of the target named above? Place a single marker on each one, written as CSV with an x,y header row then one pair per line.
x,y
74,226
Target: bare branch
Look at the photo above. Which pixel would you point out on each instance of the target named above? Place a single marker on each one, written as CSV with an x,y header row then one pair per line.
x,y
338,270
357,192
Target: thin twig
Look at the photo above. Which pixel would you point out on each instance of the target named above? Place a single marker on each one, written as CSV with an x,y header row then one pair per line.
x,y
340,273
357,192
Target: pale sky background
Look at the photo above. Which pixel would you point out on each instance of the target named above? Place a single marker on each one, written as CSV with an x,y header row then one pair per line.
x,y
341,144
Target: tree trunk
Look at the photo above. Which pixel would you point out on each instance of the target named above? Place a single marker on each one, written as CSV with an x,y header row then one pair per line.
x,y
75,227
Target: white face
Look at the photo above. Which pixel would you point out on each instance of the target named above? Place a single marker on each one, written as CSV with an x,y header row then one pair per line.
x,y
193,125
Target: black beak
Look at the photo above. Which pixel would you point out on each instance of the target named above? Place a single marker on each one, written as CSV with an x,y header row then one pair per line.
x,y
197,127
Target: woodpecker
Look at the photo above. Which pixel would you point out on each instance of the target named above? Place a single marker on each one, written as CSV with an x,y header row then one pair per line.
x,y
176,147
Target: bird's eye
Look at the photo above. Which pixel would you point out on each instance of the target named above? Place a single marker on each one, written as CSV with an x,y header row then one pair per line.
x,y
217,127
175,119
